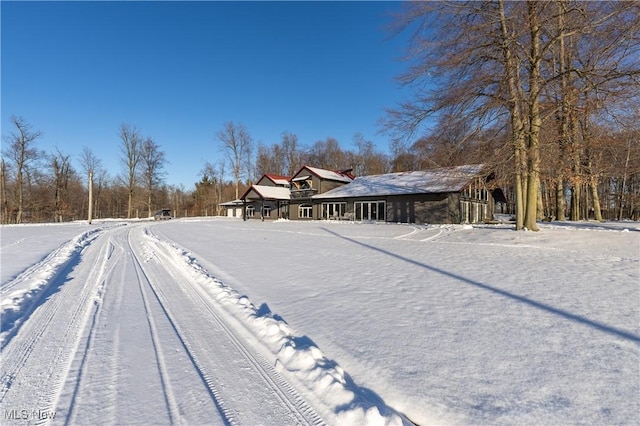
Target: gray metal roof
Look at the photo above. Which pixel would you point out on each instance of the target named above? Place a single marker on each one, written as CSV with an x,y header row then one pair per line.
x,y
450,179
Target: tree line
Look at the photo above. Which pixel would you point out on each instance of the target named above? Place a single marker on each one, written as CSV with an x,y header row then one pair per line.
x,y
45,187
545,92
245,161
36,186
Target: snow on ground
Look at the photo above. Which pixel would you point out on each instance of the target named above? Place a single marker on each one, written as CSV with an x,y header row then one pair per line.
x,y
451,323
445,324
25,245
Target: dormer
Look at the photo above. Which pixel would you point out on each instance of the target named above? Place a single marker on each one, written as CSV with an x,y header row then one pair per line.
x,y
309,181
274,180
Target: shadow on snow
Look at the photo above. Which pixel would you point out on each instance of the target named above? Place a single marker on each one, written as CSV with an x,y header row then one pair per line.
x,y
530,302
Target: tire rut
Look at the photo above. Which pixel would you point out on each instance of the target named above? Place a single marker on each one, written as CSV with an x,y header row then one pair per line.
x,y
300,411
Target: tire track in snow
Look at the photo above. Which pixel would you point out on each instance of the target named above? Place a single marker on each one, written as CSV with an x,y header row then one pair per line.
x,y
162,368
133,361
281,387
23,295
102,275
300,410
169,396
48,342
206,379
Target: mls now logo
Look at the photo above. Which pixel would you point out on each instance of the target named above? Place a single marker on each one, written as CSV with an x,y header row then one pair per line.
x,y
16,414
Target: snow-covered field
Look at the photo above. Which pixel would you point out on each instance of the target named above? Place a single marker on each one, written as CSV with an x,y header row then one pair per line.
x,y
221,321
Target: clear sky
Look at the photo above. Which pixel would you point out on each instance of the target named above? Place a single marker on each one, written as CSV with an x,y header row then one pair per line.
x,y
178,70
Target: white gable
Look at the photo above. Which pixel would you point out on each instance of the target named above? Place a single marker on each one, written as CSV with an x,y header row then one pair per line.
x,y
329,175
268,192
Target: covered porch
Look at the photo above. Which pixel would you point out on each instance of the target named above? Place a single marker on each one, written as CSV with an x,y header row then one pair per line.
x,y
266,202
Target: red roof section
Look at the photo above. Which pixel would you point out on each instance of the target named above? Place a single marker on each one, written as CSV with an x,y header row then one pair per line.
x,y
274,177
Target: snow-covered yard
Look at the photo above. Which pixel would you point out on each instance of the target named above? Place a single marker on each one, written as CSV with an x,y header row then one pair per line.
x,y
444,324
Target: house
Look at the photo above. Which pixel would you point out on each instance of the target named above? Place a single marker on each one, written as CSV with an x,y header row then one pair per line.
x,y
446,195
275,197
268,198
308,182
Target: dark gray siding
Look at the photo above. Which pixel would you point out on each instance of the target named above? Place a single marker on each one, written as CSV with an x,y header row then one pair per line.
x,y
420,208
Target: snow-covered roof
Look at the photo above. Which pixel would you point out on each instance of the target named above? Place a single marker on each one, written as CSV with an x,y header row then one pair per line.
x,y
449,179
278,180
327,174
231,203
266,192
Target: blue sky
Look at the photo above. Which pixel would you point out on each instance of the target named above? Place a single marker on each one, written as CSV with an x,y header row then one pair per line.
x,y
178,70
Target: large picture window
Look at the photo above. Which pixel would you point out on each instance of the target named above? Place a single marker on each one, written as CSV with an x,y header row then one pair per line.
x,y
333,210
305,211
370,210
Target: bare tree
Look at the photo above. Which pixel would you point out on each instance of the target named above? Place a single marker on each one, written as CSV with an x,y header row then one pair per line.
x,y
153,162
130,150
91,165
368,161
23,154
478,65
291,153
3,192
236,141
61,166
326,154
249,163
281,159
269,160
209,189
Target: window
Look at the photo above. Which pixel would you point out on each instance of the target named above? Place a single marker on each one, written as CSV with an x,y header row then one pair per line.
x,y
333,210
472,212
370,210
305,211
303,182
251,211
266,211
465,211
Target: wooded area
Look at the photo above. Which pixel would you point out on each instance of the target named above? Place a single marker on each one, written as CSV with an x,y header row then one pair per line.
x,y
545,93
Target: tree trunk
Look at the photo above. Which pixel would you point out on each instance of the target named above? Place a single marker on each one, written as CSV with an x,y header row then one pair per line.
x,y
560,200
575,202
129,204
535,121
597,213
624,181
540,203
563,125
511,71
90,204
3,191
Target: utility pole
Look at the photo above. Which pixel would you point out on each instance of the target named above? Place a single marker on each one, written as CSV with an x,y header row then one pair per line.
x,y
90,195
